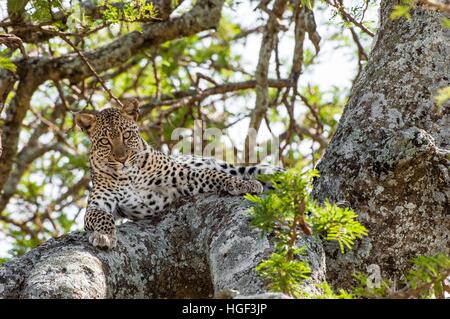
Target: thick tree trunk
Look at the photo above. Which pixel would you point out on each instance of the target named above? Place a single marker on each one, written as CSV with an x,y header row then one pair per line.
x,y
389,156
200,249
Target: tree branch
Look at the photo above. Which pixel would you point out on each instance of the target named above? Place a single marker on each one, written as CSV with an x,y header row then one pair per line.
x,y
436,5
15,114
262,69
168,258
204,15
181,98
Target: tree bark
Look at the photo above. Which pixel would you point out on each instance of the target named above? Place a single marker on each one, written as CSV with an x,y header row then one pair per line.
x,y
199,249
389,157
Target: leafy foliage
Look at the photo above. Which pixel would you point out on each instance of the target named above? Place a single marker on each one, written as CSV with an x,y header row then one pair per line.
x,y
337,224
327,292
44,11
136,10
446,23
428,274
426,279
284,273
283,212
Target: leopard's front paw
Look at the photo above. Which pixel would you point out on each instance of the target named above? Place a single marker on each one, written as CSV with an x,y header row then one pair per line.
x,y
244,187
254,187
102,240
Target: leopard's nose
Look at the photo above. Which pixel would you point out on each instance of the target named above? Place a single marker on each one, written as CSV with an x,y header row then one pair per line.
x,y
119,151
122,158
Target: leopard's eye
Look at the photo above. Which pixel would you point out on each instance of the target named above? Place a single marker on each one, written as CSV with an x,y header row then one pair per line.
x,y
127,134
104,141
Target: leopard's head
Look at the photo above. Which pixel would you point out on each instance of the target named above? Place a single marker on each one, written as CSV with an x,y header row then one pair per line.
x,y
114,135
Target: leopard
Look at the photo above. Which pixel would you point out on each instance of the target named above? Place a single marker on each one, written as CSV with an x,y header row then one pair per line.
x,y
132,180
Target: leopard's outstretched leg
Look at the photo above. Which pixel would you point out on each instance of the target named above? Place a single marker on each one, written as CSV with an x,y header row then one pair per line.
x,y
99,218
244,172
236,186
102,226
192,181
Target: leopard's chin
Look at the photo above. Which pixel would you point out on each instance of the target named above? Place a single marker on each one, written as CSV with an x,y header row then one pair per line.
x,y
125,168
116,167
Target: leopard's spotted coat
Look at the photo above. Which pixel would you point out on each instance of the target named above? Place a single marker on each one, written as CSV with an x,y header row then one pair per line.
x,y
132,180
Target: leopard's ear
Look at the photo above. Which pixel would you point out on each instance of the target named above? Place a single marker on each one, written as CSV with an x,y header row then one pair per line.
x,y
86,121
131,109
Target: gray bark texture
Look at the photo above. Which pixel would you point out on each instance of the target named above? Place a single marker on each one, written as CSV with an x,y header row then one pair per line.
x,y
201,248
389,159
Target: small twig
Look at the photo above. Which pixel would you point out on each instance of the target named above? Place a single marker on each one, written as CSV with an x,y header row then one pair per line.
x,y
348,17
13,42
415,292
62,96
362,56
156,76
245,33
204,77
313,112
366,6
181,97
85,60
274,14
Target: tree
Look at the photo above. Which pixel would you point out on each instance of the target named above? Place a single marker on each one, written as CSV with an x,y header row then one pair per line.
x,y
387,160
389,156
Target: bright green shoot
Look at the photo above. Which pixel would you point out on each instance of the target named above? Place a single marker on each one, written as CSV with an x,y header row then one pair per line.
x,y
287,211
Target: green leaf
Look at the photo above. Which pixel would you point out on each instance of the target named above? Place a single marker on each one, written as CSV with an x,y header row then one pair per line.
x,y
284,274
428,269
401,11
445,22
130,11
336,224
7,64
308,3
443,95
